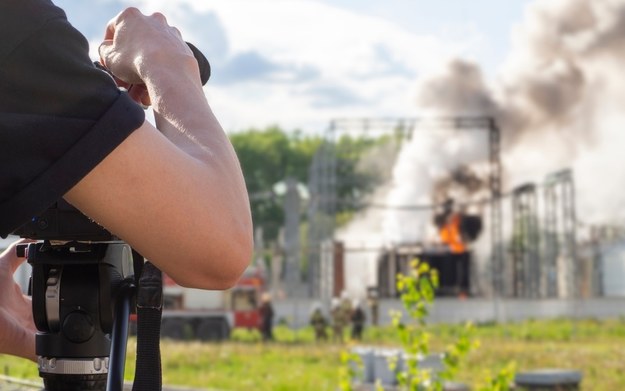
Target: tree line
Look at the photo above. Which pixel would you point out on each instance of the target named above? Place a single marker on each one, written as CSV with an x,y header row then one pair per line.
x,y
268,156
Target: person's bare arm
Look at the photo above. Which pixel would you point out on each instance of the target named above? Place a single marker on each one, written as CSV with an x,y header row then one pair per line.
x,y
17,328
178,197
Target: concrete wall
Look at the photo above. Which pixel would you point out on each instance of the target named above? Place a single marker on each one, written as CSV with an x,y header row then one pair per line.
x,y
478,310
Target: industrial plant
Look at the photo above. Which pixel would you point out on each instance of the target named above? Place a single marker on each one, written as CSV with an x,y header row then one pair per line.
x,y
443,196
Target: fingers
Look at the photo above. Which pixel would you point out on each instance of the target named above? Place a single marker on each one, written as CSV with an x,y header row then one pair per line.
x,y
129,14
9,258
177,32
160,17
139,93
131,39
15,339
111,26
104,50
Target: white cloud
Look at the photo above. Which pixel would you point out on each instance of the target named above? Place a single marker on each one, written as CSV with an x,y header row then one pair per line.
x,y
318,61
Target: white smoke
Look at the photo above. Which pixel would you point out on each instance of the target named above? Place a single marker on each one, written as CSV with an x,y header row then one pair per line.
x,y
564,85
426,161
558,102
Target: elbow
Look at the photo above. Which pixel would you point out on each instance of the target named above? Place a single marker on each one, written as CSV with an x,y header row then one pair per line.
x,y
238,257
223,274
235,264
223,269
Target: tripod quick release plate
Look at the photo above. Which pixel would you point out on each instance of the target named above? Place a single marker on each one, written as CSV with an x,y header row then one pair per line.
x,y
63,222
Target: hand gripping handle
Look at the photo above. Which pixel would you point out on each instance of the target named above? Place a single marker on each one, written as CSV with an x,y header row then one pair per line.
x,y
205,66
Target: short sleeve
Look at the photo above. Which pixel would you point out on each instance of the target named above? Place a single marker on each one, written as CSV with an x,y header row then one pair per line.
x,y
59,115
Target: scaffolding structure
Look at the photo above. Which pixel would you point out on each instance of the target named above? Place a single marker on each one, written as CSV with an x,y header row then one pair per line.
x,y
560,249
321,217
324,197
543,247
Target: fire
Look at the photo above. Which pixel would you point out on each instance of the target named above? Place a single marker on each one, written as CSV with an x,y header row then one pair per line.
x,y
451,235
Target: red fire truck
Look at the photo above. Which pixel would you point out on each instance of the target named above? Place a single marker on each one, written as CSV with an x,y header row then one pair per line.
x,y
211,315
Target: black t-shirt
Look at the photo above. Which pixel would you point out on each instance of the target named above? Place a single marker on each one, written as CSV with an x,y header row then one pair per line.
x,y
59,115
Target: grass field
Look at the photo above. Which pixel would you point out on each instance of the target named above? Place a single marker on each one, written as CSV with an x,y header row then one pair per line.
x,y
295,362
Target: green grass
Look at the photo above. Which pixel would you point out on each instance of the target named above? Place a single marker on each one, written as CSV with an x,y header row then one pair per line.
x,y
296,362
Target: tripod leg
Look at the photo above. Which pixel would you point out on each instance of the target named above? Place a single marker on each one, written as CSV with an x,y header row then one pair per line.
x,y
149,308
119,339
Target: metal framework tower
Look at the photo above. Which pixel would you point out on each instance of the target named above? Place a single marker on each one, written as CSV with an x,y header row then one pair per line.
x,y
321,211
323,182
497,256
526,267
560,235
291,244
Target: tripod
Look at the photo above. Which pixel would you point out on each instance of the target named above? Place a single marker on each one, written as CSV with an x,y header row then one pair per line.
x,y
83,287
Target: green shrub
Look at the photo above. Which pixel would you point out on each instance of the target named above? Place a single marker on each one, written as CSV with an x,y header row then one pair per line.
x,y
241,334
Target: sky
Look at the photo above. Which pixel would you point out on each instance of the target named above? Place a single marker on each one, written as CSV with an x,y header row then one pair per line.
x,y
299,64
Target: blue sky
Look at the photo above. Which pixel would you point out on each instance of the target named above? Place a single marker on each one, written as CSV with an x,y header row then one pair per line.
x,y
300,63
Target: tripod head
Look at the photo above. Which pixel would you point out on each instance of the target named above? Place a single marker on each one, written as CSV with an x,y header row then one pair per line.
x,y
82,284
63,223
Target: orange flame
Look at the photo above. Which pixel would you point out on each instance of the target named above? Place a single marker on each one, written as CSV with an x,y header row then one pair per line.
x,y
450,234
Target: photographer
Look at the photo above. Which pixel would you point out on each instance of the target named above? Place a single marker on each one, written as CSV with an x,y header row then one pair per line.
x,y
174,192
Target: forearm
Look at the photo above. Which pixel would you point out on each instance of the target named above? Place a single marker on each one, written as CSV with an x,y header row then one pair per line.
x,y
183,115
179,199
175,194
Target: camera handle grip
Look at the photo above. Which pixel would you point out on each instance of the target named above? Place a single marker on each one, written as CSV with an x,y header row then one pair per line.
x,y
205,66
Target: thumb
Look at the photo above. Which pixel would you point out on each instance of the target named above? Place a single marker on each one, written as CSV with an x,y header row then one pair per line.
x,y
104,51
139,93
9,260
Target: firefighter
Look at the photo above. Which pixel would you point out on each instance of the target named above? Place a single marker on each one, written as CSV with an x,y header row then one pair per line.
x,y
358,318
319,323
266,317
374,306
338,320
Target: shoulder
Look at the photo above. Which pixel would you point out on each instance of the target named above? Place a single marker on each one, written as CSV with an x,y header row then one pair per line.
x,y
30,11
21,18
45,67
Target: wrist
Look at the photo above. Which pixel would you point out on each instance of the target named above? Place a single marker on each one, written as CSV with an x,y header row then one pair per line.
x,y
162,69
